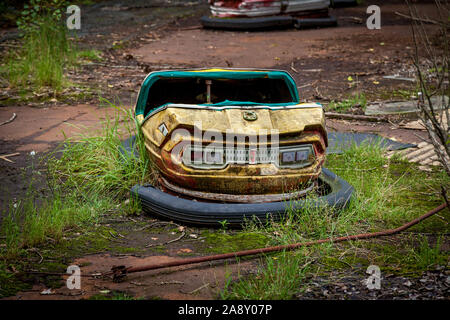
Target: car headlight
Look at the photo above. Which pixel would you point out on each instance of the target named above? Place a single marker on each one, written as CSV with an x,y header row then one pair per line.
x,y
204,158
297,157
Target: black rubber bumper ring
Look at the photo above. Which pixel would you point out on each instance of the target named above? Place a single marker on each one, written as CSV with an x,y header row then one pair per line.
x,y
272,22
315,23
192,212
344,3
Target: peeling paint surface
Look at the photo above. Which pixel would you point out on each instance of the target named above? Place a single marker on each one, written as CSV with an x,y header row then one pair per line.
x,y
282,127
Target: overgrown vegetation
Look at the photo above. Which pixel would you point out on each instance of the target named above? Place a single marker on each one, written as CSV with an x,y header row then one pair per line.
x,y
356,101
87,177
46,52
388,193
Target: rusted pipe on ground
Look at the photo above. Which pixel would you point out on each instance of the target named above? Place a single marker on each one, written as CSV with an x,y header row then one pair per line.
x,y
121,271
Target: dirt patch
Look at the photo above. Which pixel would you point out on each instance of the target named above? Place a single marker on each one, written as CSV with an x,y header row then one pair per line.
x,y
39,128
177,283
35,132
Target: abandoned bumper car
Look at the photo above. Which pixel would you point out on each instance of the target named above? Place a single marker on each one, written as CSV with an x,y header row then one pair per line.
x,y
232,145
262,14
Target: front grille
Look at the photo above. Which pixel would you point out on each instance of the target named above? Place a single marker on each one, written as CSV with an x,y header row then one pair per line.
x,y
216,157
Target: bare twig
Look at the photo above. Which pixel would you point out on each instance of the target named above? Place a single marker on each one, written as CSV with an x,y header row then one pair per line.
x,y
38,253
292,67
199,288
427,57
425,20
9,120
444,195
6,156
162,283
183,233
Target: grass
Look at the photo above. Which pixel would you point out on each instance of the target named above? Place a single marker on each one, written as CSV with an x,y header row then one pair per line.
x,y
278,279
344,105
87,177
45,54
114,295
89,55
388,193
425,255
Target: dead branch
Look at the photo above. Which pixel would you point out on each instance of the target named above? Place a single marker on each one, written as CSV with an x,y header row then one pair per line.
x,y
292,67
9,120
5,156
428,57
346,116
425,20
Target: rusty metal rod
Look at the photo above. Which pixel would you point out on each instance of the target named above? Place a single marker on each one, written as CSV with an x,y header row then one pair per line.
x,y
121,271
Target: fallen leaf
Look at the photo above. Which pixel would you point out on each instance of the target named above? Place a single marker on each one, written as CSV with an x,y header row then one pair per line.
x,y
186,250
47,292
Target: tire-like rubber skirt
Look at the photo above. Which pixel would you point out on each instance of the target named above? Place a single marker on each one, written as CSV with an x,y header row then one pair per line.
x,y
344,3
261,23
315,23
202,213
192,212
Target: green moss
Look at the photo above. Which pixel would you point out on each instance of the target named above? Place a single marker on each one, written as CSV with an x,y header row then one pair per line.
x,y
158,249
358,100
120,249
10,283
113,295
220,242
92,241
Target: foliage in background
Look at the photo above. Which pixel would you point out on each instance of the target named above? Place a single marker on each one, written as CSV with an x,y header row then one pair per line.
x,y
38,12
356,101
45,50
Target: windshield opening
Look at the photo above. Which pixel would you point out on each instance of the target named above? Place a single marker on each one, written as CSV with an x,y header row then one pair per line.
x,y
195,91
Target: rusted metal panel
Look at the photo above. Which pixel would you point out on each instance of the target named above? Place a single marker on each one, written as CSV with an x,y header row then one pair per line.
x,y
292,120
176,134
236,178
